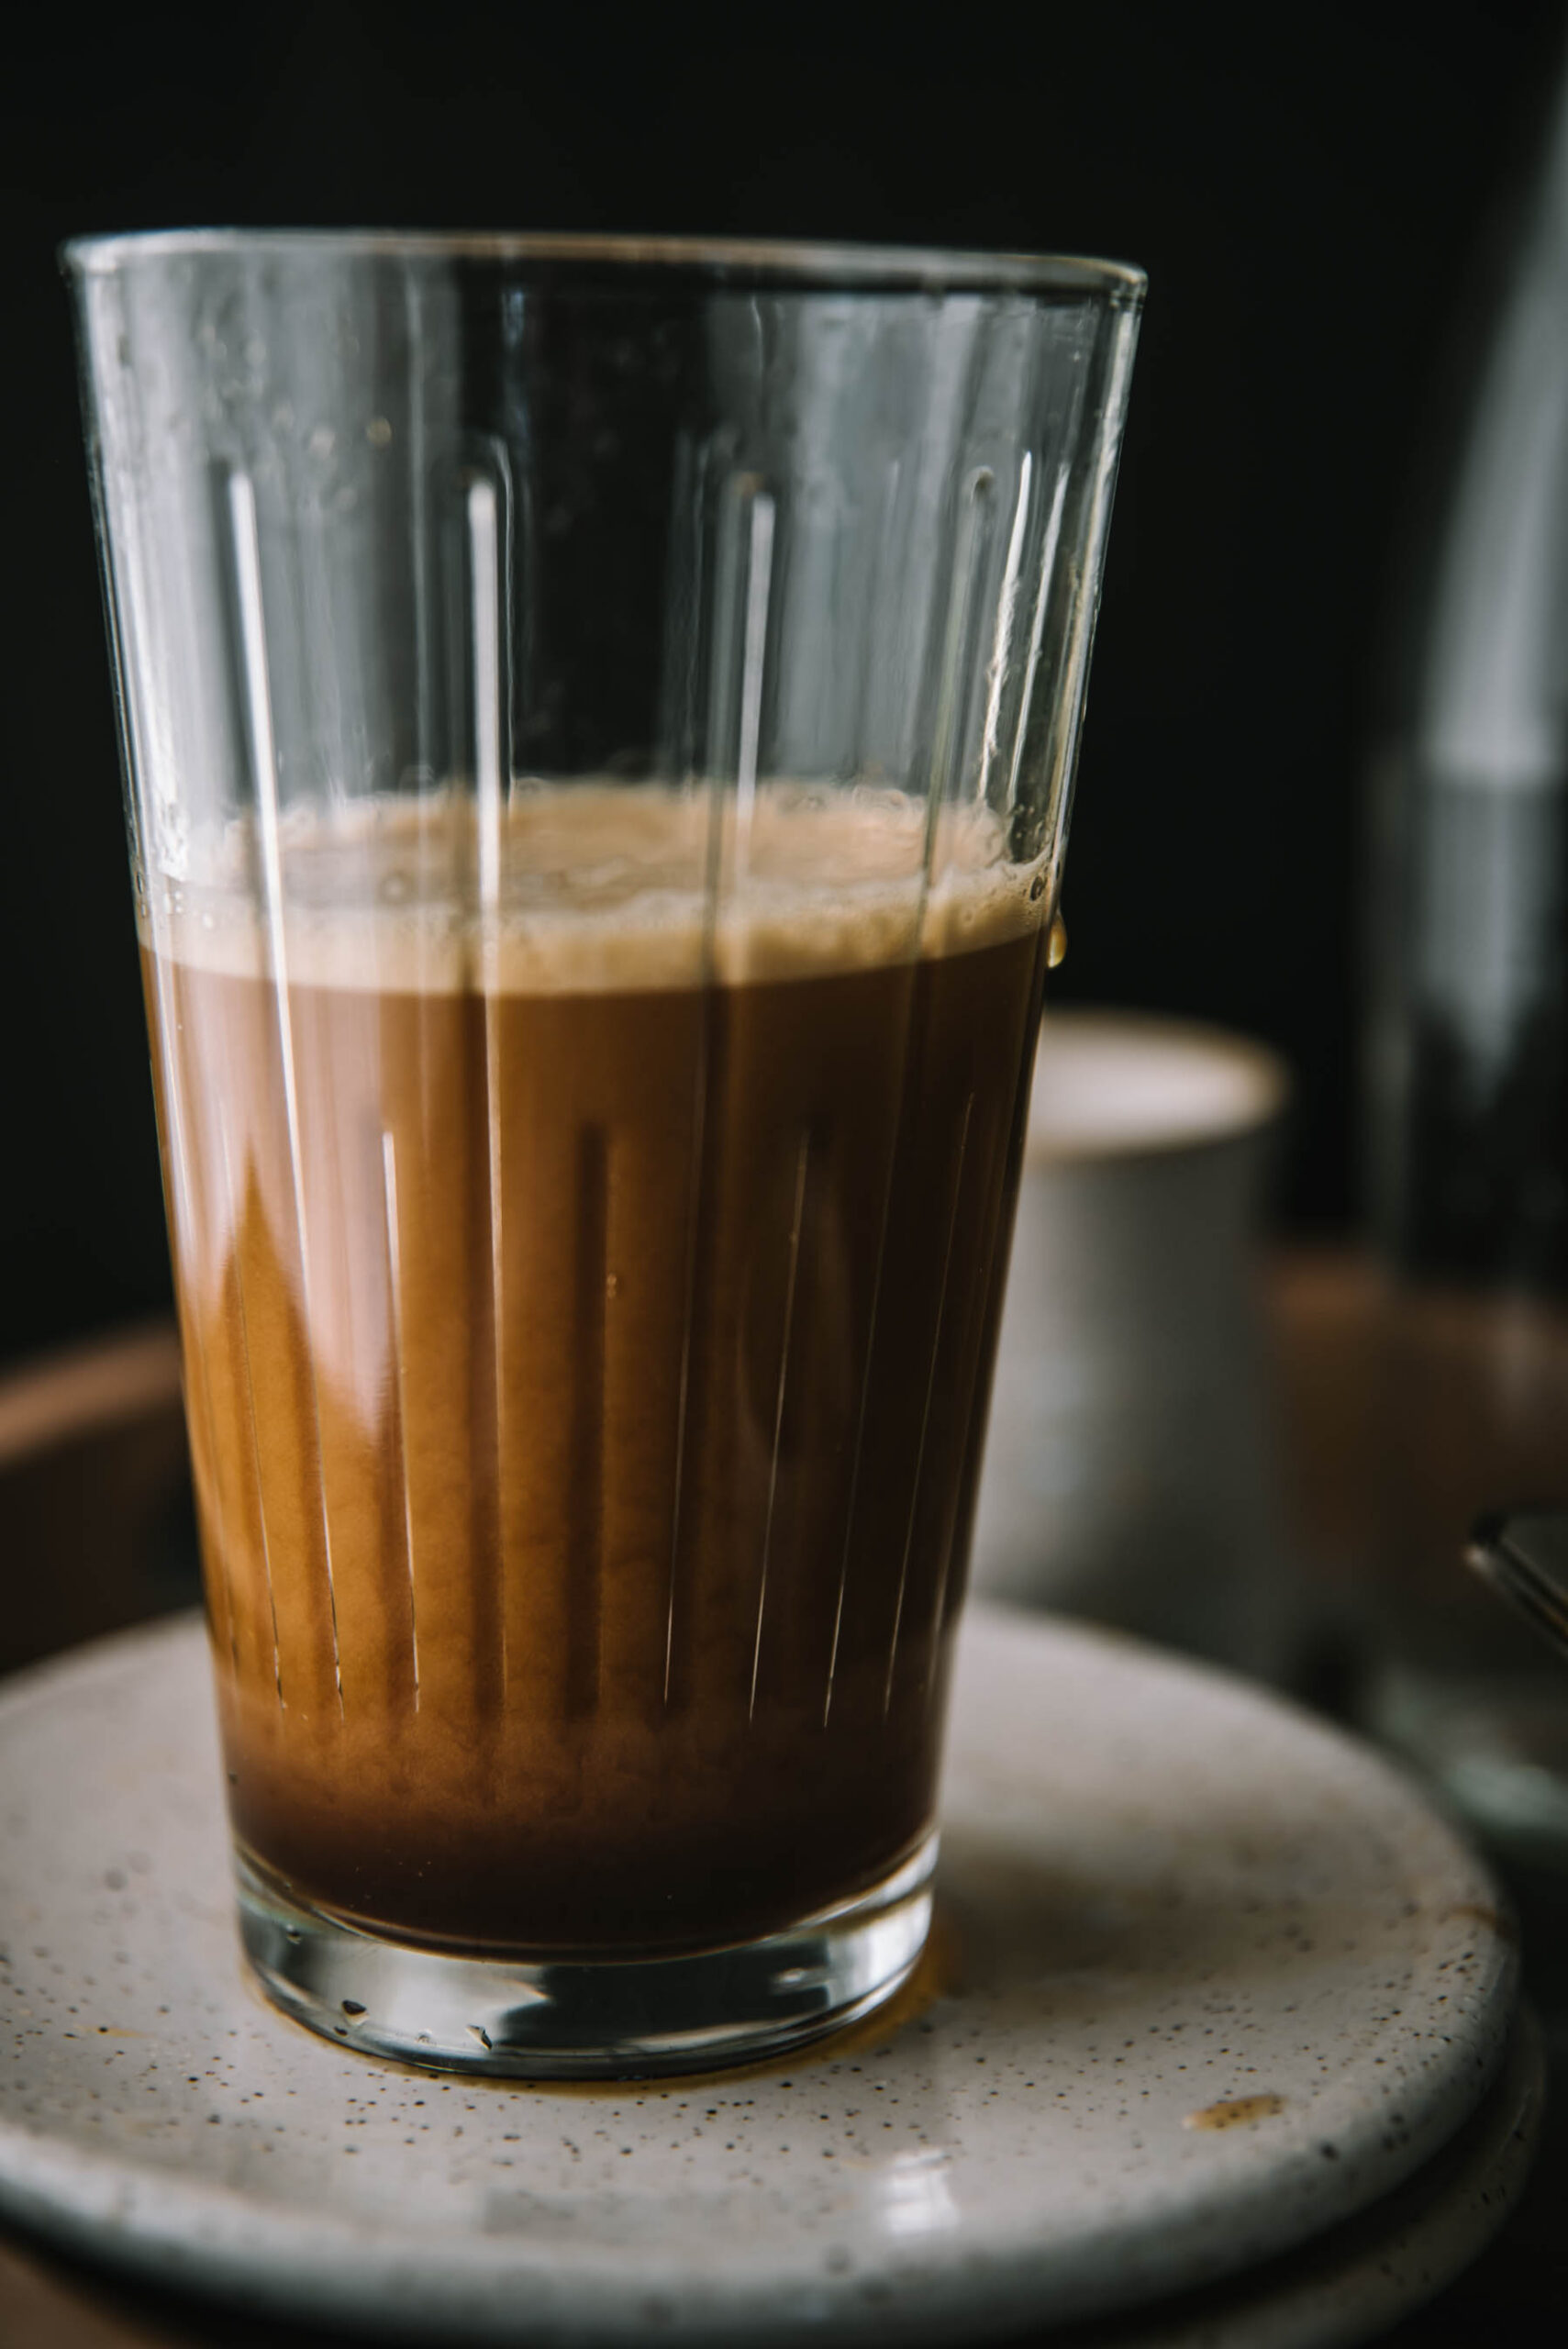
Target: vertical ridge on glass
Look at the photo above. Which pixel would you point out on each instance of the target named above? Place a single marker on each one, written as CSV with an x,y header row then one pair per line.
x,y
262,747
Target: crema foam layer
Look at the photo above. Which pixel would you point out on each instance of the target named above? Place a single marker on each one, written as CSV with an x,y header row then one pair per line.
x,y
591,887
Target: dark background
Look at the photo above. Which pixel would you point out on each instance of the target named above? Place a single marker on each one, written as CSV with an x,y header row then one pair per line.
x,y
1309,195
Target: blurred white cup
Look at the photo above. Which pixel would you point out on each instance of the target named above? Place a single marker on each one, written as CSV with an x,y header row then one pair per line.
x,y
1131,1470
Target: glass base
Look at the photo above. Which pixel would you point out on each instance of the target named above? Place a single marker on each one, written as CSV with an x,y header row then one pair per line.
x,y
584,2018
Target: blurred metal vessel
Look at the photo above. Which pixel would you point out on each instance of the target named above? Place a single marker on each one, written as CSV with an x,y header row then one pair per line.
x,y
1468,1050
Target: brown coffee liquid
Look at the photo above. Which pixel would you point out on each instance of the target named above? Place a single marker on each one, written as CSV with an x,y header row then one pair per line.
x,y
586,1375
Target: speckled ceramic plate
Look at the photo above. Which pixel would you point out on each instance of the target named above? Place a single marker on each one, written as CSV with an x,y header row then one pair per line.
x,y
1351,2284
1208,1979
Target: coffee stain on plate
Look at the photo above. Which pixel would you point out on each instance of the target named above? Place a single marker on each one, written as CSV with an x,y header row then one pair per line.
x,y
1482,1912
1235,2112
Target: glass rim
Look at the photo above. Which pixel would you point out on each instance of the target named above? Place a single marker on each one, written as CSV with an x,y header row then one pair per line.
x,y
802,266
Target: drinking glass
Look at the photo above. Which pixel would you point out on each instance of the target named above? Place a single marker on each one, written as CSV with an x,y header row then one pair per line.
x,y
599,718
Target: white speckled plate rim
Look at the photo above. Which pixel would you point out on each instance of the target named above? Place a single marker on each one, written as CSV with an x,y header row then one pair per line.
x,y
1078,1762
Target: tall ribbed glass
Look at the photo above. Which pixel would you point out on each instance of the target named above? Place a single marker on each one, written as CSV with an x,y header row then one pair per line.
x,y
599,724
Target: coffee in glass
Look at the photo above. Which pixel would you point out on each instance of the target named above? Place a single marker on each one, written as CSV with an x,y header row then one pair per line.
x,y
600,723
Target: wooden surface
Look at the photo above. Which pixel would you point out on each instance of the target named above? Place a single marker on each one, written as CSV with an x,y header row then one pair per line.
x,y
95,1530
94,1493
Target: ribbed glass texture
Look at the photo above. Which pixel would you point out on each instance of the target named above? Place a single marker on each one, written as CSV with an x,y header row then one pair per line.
x,y
599,722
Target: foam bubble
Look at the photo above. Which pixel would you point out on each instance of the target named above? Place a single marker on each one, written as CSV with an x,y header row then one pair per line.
x,y
595,886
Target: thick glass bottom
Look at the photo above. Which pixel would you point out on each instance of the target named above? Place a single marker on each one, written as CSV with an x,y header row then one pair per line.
x,y
584,2018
